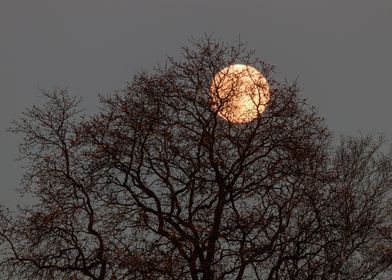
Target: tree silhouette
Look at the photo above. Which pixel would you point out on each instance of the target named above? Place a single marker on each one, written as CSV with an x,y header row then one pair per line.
x,y
159,186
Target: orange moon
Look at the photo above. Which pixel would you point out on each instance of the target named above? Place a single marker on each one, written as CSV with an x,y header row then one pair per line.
x,y
239,93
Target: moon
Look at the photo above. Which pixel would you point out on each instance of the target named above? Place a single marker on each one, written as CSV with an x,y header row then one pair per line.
x,y
239,93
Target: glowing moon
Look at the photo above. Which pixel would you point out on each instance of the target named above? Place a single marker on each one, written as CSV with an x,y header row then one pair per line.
x,y
239,93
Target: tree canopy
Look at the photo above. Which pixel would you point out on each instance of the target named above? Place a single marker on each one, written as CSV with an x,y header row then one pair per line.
x,y
158,185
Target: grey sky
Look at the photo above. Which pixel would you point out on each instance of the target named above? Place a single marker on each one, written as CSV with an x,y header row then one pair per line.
x,y
339,49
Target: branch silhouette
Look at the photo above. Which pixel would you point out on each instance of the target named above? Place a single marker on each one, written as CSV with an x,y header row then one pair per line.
x,y
159,186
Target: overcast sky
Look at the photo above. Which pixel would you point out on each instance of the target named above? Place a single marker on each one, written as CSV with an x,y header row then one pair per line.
x,y
340,50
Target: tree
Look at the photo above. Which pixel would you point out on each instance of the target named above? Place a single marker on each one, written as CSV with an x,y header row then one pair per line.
x,y
159,186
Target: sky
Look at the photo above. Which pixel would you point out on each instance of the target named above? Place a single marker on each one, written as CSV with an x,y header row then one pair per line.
x,y
339,50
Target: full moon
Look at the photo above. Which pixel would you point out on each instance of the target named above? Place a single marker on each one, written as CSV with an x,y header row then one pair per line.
x,y
239,93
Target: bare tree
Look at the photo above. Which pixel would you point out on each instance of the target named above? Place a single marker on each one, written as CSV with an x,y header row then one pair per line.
x,y
159,186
